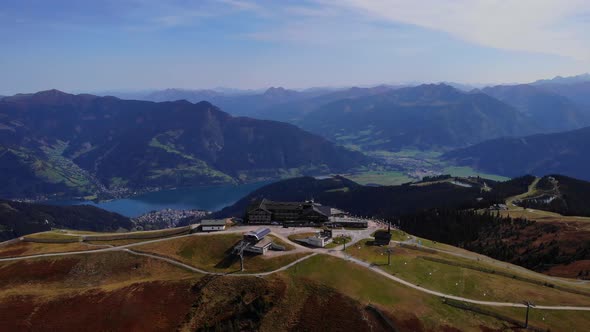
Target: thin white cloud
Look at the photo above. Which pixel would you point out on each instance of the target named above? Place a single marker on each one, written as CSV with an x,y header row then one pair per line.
x,y
318,31
241,4
179,19
321,25
544,26
307,11
248,6
173,15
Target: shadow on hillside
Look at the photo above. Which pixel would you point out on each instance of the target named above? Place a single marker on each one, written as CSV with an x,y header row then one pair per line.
x,y
380,264
373,243
229,258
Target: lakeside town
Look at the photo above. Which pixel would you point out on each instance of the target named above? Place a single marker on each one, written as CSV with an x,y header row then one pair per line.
x,y
167,218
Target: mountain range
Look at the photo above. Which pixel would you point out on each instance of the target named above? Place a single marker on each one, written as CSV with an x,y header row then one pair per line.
x,y
245,103
566,153
577,92
439,116
274,103
18,219
565,80
194,96
295,111
575,88
547,110
77,145
319,111
560,109
53,142
431,116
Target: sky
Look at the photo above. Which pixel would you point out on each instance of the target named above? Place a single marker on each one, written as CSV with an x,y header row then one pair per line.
x,y
97,45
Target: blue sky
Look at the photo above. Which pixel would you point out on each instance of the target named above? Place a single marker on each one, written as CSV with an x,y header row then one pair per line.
x,y
143,44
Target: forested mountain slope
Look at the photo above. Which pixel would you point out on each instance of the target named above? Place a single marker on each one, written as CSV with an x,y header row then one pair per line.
x,y
18,219
53,142
566,153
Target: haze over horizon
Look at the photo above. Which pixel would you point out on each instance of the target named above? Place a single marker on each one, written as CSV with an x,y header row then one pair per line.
x,y
144,44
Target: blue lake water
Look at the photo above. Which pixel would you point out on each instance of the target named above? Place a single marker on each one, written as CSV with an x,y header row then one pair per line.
x,y
206,198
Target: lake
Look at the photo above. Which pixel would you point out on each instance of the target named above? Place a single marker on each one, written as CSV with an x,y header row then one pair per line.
x,y
210,198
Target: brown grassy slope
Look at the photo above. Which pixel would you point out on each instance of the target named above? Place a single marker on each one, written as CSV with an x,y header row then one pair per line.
x,y
213,253
145,306
32,248
98,292
121,292
551,245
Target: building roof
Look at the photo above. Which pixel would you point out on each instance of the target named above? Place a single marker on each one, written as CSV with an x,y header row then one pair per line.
x,y
259,233
267,205
213,222
348,221
323,210
263,243
304,207
334,211
271,205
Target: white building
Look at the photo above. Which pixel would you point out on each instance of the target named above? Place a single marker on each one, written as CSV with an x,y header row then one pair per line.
x,y
212,225
261,247
320,240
